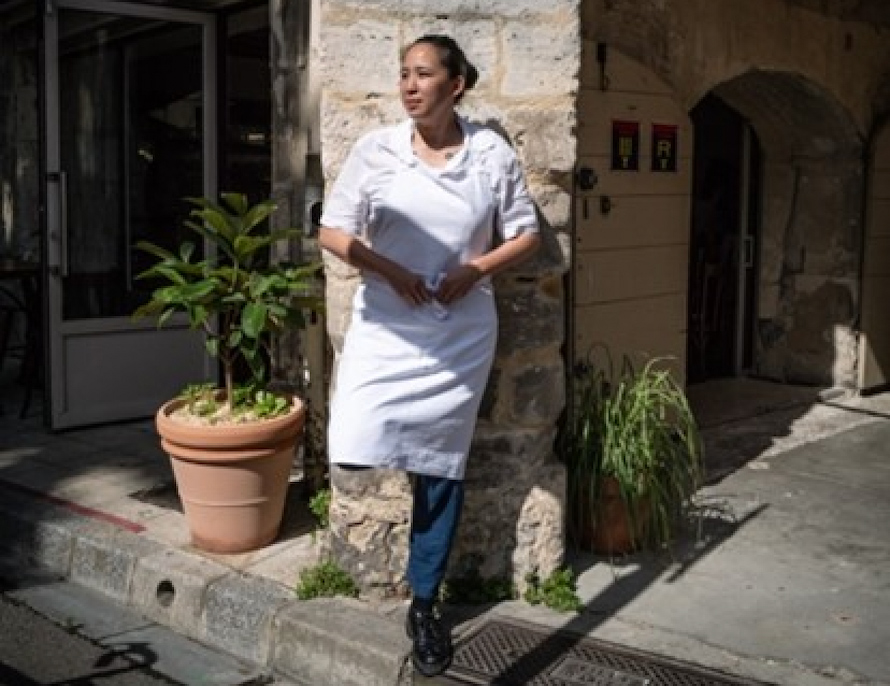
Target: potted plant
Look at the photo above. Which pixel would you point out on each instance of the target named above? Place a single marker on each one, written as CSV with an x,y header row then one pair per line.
x,y
634,456
232,447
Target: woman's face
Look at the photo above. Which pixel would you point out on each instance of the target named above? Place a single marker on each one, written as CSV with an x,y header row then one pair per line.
x,y
427,91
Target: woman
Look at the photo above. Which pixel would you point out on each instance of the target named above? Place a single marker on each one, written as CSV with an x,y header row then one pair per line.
x,y
418,208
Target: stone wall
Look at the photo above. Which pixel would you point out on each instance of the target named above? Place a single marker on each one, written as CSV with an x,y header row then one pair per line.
x,y
809,86
698,44
527,53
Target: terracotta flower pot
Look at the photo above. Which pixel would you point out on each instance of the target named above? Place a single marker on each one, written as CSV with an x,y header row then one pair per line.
x,y
604,525
615,532
232,479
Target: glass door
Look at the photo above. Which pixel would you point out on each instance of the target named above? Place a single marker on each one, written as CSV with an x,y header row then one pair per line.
x,y
130,131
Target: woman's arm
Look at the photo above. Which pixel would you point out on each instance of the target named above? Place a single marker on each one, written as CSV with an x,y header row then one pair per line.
x,y
508,254
348,248
459,281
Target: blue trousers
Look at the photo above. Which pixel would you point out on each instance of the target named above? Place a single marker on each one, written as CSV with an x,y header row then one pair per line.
x,y
436,513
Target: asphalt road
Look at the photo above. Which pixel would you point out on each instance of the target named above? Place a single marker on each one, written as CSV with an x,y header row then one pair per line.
x,y
35,651
55,633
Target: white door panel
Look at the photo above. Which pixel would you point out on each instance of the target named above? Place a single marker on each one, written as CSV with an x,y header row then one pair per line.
x,y
99,360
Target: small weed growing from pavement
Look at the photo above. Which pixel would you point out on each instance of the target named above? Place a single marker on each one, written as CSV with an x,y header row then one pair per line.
x,y
472,589
558,591
320,505
325,580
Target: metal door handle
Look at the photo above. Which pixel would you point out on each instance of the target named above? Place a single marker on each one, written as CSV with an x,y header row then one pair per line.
x,y
61,180
749,252
63,220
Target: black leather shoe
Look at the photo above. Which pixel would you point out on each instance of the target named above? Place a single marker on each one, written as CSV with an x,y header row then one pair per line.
x,y
432,642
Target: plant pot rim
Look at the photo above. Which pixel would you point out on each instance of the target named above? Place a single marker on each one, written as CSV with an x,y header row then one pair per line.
x,y
238,437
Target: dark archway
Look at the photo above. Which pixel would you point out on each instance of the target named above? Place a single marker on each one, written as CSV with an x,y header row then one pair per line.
x,y
807,214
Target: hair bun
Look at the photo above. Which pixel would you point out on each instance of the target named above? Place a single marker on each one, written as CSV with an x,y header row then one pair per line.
x,y
472,75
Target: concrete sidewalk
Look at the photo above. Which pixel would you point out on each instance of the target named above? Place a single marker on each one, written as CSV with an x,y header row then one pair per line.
x,y
788,584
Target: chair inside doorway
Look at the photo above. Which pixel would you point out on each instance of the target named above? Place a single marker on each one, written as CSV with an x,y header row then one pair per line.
x,y
714,271
708,327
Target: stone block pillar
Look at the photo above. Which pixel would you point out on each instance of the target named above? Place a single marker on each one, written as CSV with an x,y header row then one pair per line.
x,y
527,54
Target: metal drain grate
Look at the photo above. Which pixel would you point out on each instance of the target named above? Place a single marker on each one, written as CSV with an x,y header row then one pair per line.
x,y
504,653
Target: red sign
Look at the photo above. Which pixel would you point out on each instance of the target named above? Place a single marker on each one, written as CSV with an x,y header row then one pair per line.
x,y
626,145
664,147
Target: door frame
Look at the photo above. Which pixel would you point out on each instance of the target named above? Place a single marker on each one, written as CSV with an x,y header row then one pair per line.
x,y
748,246
873,373
56,329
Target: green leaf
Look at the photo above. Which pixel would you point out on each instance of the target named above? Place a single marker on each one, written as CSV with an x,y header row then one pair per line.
x,y
150,309
155,250
245,247
184,293
257,215
165,317
300,275
198,314
171,273
252,319
215,219
186,250
257,366
237,201
260,285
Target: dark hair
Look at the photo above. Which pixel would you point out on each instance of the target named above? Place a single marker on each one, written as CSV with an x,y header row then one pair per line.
x,y
452,57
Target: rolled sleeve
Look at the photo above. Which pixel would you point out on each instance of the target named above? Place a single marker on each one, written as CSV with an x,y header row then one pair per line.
x,y
346,207
516,211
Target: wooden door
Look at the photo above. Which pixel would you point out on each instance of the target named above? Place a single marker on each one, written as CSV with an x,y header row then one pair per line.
x,y
631,243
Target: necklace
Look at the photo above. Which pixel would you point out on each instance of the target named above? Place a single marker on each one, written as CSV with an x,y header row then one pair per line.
x,y
446,152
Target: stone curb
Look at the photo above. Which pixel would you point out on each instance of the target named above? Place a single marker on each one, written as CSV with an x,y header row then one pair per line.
x,y
336,641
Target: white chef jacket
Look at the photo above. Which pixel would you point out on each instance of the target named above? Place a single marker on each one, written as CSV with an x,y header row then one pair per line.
x,y
410,378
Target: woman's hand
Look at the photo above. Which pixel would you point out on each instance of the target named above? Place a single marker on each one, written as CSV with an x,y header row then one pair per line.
x,y
457,283
408,285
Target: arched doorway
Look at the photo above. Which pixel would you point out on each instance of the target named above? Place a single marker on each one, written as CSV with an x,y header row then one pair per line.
x,y
790,159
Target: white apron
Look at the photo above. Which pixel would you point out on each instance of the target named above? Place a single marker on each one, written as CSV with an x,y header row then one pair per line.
x,y
410,378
